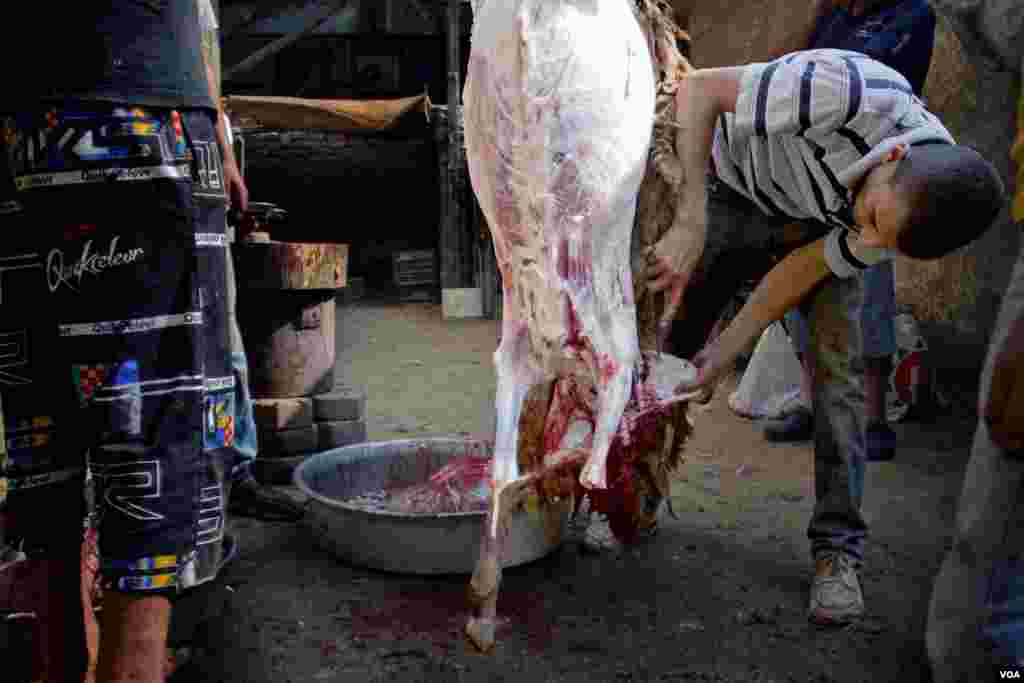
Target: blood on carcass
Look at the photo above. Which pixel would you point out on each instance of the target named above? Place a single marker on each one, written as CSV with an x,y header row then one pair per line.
x,y
559,110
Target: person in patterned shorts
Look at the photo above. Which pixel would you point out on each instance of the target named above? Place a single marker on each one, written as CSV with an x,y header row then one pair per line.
x,y
114,324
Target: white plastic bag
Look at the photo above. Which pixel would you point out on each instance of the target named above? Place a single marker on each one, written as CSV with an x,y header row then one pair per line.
x,y
770,387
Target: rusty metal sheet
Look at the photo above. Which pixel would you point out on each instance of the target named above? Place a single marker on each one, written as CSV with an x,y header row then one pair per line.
x,y
291,265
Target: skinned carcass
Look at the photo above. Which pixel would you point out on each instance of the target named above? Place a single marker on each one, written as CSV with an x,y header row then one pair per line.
x,y
559,106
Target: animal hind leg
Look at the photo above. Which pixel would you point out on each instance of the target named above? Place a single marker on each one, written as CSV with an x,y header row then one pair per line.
x,y
514,381
613,396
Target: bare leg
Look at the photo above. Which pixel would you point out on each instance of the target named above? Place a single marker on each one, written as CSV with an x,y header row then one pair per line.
x,y
92,627
133,638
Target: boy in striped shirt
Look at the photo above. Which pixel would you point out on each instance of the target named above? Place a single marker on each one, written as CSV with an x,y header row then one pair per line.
x,y
839,141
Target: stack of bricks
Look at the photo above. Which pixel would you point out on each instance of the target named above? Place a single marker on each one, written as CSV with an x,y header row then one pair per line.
x,y
290,429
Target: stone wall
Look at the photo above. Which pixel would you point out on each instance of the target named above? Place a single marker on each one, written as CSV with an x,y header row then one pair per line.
x,y
989,38
375,193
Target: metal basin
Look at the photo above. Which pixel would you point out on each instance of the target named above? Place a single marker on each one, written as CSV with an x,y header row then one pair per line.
x,y
445,543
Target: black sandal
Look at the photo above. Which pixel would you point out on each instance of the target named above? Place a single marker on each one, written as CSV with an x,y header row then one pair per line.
x,y
250,499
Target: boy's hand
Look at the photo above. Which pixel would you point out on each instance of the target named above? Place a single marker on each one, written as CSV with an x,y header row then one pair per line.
x,y
1004,408
708,372
673,259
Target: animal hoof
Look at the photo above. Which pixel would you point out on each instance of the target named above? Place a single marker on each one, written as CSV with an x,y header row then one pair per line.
x,y
481,633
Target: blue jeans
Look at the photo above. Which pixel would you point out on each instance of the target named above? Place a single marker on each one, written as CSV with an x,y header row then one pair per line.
x,y
834,312
876,314
245,445
978,599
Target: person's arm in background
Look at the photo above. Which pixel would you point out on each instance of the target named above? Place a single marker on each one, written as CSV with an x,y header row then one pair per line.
x,y
233,182
234,185
912,54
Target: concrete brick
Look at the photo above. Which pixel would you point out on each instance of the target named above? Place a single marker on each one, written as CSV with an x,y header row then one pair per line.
x,y
275,414
343,403
276,470
286,442
337,433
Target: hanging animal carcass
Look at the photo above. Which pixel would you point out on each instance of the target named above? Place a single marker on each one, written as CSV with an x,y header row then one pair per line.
x,y
559,108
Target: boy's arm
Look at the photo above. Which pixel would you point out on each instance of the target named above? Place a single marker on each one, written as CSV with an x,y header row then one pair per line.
x,y
702,97
785,286
839,254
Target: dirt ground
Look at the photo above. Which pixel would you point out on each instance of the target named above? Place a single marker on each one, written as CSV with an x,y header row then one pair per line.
x,y
718,595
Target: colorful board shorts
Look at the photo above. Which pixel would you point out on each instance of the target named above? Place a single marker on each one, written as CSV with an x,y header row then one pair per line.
x,y
114,350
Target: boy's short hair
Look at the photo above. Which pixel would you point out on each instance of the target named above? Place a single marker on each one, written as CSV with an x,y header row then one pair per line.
x,y
955,195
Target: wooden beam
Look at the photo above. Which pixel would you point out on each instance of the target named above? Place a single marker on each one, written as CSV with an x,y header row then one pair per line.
x,y
332,9
425,12
453,245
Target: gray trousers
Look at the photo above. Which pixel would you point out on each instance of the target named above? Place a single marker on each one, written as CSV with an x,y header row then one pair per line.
x,y
833,311
971,590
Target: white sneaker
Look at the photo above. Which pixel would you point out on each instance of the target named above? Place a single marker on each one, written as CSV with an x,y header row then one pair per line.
x,y
836,596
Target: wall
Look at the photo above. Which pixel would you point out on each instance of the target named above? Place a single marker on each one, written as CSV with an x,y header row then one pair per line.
x,y
257,81
990,38
376,193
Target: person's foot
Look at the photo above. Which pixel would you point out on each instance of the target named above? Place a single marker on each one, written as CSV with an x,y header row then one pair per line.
x,y
836,597
598,537
797,426
250,499
880,442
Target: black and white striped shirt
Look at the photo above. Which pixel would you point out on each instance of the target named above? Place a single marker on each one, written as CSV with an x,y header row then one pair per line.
x,y
807,128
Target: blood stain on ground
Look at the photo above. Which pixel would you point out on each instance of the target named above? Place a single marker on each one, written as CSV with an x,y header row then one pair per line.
x,y
438,613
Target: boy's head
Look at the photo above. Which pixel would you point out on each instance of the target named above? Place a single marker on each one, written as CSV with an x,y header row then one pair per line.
x,y
929,200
